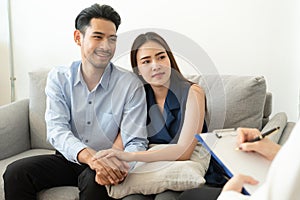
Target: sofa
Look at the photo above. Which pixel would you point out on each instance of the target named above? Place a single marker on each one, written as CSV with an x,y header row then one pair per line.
x,y
231,101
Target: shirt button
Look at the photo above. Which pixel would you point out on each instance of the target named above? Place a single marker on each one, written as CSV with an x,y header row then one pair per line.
x,y
86,141
88,123
90,102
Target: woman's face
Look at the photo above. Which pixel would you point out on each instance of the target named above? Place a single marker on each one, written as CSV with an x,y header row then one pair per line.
x,y
154,64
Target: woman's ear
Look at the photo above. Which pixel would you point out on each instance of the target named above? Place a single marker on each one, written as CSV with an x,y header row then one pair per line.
x,y
77,37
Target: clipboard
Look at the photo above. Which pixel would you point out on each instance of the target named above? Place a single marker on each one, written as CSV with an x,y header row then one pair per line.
x,y
221,144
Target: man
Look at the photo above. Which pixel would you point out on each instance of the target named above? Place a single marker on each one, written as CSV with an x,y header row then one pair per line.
x,y
88,105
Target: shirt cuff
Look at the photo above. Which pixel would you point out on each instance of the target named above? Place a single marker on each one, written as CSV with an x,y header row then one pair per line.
x,y
74,150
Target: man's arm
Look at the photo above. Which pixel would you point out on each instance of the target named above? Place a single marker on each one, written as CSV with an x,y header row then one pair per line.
x,y
60,135
133,125
58,116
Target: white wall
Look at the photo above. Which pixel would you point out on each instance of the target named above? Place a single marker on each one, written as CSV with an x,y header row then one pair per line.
x,y
4,55
249,37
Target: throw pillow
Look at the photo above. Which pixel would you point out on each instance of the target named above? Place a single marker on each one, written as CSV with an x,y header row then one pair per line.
x,y
37,107
156,177
232,101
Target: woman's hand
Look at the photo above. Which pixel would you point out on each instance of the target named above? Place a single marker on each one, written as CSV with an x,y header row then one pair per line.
x,y
265,147
237,182
121,155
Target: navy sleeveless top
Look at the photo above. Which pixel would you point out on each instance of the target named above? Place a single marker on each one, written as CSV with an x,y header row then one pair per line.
x,y
165,128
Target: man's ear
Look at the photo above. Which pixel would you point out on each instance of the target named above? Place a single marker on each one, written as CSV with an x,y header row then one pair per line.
x,y
77,38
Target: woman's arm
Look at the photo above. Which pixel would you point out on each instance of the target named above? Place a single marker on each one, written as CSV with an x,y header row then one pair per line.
x,y
193,123
118,143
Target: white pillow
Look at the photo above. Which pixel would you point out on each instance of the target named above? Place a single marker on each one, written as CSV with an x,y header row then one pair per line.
x,y
156,177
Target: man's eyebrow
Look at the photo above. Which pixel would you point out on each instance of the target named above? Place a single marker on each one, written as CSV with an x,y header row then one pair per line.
x,y
100,33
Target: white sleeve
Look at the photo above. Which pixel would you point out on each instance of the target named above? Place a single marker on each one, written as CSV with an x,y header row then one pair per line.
x,y
284,174
229,195
283,177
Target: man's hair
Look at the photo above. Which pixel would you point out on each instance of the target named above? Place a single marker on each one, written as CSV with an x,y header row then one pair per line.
x,y
106,12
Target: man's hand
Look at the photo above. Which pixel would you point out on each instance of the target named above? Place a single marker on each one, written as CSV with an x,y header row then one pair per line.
x,y
237,182
109,170
265,147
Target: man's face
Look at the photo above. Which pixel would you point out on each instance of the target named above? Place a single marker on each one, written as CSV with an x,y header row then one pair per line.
x,y
98,44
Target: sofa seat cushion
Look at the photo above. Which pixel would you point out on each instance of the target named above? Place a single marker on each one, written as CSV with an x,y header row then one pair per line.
x,y
61,193
5,162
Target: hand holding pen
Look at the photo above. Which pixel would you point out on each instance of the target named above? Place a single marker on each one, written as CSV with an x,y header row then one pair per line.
x,y
252,140
263,135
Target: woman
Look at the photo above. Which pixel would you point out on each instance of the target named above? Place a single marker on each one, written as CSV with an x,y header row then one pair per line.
x,y
175,106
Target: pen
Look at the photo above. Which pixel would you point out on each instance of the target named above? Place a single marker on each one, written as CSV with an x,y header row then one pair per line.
x,y
263,135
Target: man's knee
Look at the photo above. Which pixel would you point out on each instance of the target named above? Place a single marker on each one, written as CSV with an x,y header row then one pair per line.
x,y
14,171
17,182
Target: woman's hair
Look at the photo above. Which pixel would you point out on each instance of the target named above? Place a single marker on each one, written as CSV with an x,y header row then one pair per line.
x,y
154,37
84,18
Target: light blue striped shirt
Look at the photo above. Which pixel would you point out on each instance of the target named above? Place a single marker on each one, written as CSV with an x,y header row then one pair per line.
x,y
77,118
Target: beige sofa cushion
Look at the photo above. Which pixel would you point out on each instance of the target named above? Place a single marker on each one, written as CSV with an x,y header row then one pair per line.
x,y
37,107
60,193
233,101
278,120
14,127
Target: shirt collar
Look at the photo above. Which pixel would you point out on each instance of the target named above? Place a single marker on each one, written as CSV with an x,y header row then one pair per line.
x,y
104,81
78,76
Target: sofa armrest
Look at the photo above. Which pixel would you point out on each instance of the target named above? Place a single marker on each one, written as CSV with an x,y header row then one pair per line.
x,y
267,109
278,120
14,128
286,132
